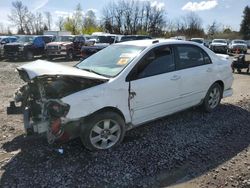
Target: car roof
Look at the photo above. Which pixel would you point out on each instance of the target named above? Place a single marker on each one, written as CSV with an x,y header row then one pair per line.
x,y
220,39
197,38
152,42
239,40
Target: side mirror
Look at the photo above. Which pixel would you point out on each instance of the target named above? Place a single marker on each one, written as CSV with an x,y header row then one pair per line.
x,y
3,42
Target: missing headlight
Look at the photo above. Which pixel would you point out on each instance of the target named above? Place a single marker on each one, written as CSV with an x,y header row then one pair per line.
x,y
56,108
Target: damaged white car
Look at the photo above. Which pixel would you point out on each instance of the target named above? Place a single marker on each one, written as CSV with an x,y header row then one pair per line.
x,y
119,88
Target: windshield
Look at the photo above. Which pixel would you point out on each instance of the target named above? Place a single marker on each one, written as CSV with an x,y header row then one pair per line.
x,y
197,40
239,41
220,41
110,61
26,39
64,39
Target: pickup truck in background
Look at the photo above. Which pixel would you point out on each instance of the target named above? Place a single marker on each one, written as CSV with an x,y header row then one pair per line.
x,y
5,40
26,47
68,46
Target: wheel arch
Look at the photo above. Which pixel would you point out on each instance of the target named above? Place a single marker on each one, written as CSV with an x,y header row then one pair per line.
x,y
221,83
109,108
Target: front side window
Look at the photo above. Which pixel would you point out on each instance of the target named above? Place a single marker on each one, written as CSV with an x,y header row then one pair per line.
x,y
158,61
191,56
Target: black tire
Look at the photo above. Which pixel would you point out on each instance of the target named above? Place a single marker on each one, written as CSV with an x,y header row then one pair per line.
x,y
207,107
29,56
87,130
70,55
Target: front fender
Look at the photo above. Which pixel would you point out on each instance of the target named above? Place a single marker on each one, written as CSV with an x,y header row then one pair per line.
x,y
86,102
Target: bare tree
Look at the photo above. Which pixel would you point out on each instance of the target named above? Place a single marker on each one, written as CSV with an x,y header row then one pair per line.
x,y
60,23
132,17
18,16
48,19
213,29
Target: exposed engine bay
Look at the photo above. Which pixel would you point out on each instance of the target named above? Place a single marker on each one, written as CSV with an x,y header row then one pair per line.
x,y
40,104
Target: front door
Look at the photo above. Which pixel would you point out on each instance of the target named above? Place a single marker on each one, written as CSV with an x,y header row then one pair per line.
x,y
154,86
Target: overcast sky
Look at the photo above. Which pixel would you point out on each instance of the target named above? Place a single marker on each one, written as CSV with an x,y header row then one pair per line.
x,y
225,12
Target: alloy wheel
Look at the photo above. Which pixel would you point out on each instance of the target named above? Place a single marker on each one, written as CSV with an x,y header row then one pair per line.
x,y
214,98
105,134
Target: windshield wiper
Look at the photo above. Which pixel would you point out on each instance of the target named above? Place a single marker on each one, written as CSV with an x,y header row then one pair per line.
x,y
90,70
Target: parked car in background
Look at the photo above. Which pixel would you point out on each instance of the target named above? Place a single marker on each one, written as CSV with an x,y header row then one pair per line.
x,y
237,46
68,46
219,46
5,40
104,40
26,47
133,37
119,88
248,44
100,42
198,40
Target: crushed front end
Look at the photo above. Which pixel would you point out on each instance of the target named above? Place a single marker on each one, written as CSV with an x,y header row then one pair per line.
x,y
39,100
41,113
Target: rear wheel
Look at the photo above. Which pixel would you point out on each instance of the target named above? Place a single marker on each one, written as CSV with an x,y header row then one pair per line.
x,y
213,98
103,131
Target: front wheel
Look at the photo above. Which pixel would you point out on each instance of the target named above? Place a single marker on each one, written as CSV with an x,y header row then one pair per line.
x,y
213,98
103,131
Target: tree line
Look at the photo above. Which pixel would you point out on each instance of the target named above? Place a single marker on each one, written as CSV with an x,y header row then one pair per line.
x,y
125,17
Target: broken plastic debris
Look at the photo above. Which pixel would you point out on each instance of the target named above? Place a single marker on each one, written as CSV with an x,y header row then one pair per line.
x,y
60,151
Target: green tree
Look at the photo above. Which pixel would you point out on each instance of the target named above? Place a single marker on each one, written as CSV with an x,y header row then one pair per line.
x,y
75,22
89,23
245,24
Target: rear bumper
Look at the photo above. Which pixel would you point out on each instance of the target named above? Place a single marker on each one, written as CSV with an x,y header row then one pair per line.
x,y
228,93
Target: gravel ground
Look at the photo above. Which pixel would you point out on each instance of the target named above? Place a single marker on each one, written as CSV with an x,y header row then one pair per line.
x,y
188,149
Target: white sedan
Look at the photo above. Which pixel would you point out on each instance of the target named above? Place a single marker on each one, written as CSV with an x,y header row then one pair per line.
x,y
119,88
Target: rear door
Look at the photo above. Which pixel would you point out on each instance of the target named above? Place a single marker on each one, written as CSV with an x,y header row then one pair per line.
x,y
197,73
154,85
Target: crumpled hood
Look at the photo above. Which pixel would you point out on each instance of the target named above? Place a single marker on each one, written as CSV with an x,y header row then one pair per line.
x,y
59,43
218,44
41,68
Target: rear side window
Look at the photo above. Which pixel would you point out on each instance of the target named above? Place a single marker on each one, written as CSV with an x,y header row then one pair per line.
x,y
189,56
158,61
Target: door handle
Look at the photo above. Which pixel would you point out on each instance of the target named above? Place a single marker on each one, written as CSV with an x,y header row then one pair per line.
x,y
175,77
209,70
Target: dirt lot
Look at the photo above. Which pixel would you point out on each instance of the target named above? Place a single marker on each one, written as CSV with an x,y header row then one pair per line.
x,y
188,149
